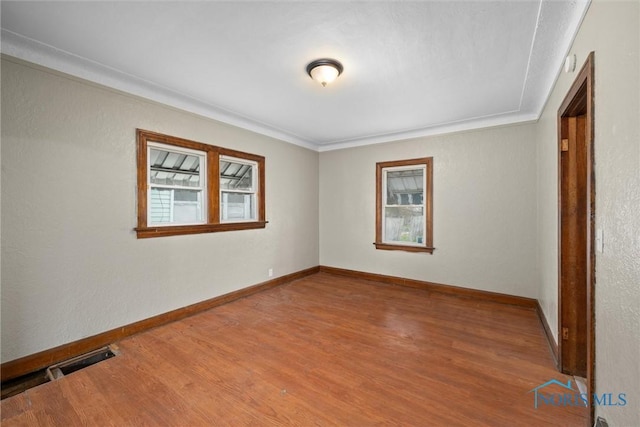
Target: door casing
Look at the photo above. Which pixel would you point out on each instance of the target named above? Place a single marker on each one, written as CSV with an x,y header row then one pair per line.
x,y
576,289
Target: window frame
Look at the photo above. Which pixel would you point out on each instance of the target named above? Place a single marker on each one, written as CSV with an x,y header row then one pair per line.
x,y
211,193
254,185
381,168
202,159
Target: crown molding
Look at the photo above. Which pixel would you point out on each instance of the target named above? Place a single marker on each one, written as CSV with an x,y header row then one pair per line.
x,y
503,119
33,51
29,50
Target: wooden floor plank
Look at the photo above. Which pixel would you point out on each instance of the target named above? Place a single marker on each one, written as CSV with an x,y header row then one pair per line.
x,y
324,350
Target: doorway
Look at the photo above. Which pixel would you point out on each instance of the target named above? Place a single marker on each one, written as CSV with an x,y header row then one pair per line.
x,y
576,229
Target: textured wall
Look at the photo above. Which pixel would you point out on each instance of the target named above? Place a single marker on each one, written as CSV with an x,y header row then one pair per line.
x,y
612,30
71,264
484,210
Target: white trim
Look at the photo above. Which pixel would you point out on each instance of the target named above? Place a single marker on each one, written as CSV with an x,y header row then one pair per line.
x,y
507,119
27,49
553,79
237,160
30,50
176,148
175,187
44,55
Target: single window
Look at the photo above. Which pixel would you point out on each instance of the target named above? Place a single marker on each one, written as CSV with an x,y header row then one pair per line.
x,y
187,187
404,205
237,189
176,186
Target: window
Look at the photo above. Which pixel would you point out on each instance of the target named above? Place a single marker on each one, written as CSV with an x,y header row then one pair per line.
x,y
237,189
404,212
176,186
187,187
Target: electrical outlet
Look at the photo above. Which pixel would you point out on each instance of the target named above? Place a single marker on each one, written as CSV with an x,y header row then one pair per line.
x,y
270,272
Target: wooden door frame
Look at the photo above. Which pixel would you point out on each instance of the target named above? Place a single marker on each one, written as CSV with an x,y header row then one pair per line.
x,y
581,91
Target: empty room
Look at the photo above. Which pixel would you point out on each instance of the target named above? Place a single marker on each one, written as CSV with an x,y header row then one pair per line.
x,y
332,213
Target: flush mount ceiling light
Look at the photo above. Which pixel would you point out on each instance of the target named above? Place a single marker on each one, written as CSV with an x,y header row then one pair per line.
x,y
324,71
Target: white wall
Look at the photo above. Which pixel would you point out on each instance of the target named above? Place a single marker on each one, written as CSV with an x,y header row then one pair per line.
x,y
71,264
612,30
484,208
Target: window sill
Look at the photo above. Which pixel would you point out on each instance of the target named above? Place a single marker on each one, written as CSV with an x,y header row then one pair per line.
x,y
407,248
177,230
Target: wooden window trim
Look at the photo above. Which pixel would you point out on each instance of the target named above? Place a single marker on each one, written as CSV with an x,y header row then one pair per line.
x,y
428,200
213,153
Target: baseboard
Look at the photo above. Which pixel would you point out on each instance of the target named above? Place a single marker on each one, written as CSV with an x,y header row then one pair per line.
x,y
43,359
456,291
435,287
553,346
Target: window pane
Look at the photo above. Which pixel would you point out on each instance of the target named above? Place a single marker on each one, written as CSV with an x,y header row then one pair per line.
x,y
186,195
404,200
405,187
170,168
236,206
404,224
236,176
169,206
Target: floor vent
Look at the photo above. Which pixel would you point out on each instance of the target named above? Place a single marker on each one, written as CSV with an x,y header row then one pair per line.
x,y
59,370
25,382
70,366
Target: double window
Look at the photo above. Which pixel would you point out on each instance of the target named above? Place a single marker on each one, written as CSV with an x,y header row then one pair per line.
x,y
187,187
404,212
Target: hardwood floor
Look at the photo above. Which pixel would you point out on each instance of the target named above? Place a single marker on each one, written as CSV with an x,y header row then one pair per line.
x,y
324,350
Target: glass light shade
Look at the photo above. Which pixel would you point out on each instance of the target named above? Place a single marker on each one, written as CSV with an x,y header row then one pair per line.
x,y
324,74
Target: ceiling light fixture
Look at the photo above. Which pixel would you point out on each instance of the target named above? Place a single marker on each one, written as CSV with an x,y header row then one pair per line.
x,y
324,71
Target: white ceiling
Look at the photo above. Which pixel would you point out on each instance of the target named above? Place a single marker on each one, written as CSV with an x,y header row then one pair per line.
x,y
410,68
